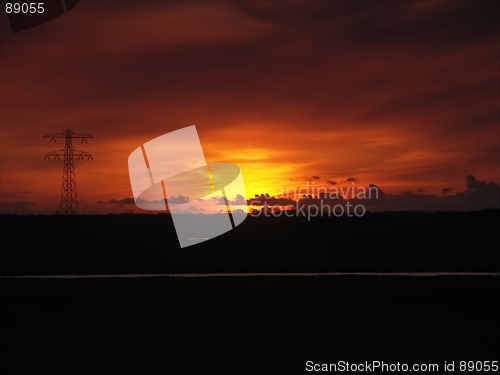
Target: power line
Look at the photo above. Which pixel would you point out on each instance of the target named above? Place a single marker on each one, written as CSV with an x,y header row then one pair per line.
x,y
69,197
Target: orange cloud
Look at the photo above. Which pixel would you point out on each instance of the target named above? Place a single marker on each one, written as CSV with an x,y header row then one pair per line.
x,y
403,96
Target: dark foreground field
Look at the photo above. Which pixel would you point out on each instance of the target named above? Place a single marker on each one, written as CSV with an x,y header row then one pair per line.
x,y
244,325
382,242
247,324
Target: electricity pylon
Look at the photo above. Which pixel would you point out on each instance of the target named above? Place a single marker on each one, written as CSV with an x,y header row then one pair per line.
x,y
69,197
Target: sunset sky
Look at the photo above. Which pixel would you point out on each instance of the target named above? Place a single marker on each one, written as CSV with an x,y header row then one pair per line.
x,y
404,95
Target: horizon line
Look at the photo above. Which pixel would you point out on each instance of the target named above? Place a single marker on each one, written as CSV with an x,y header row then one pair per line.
x,y
251,274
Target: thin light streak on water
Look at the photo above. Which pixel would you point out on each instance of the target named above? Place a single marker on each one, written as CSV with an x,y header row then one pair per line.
x,y
291,274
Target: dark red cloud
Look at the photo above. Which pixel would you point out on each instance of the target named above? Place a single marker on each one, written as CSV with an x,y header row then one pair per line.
x,y
401,93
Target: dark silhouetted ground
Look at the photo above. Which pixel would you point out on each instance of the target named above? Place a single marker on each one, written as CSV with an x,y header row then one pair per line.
x,y
247,325
377,242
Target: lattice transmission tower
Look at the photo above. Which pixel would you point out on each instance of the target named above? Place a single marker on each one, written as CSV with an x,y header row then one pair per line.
x,y
69,197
